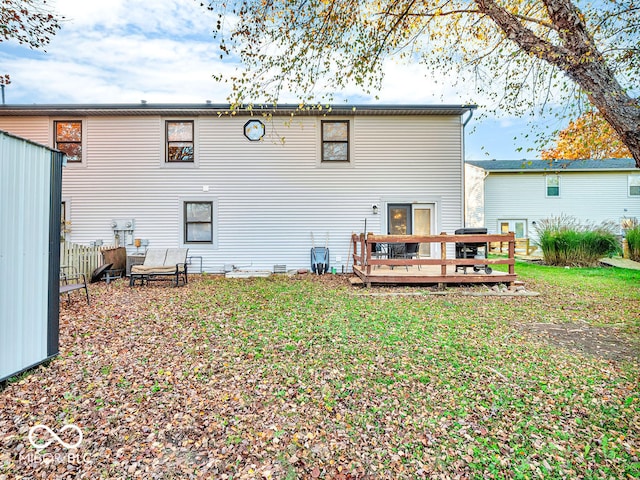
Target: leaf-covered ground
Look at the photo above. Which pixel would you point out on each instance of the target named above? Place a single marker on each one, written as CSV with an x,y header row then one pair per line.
x,y
308,377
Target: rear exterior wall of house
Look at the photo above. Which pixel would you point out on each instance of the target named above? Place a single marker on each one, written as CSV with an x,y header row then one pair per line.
x,y
267,197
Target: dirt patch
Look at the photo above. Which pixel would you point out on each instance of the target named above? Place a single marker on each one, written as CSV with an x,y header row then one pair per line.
x,y
602,342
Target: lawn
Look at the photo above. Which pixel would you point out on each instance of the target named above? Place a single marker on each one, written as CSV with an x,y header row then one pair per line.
x,y
308,377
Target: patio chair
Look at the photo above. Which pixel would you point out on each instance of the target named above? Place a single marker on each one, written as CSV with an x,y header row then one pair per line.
x,y
71,280
379,251
161,262
412,250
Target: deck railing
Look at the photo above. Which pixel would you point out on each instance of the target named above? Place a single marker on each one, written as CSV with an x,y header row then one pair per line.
x,y
523,247
363,250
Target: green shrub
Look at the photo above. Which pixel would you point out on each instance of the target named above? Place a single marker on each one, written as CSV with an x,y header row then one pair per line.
x,y
633,239
565,241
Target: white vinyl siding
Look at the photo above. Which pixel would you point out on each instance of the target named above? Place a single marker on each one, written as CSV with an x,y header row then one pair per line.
x,y
269,196
36,129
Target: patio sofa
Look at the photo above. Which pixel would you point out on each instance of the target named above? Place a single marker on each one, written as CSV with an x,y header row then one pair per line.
x,y
161,263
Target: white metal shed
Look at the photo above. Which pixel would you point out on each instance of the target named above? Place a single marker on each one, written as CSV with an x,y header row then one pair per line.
x,y
30,199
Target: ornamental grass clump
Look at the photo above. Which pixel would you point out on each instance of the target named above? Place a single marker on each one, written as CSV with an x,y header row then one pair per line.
x,y
633,240
564,241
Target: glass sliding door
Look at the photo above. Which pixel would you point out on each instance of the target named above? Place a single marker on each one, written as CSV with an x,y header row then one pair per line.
x,y
422,215
412,219
399,219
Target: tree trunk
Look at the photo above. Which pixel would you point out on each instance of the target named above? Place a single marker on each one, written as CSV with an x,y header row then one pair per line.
x,y
578,57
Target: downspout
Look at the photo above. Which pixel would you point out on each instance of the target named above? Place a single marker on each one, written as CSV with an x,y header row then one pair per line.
x,y
464,124
464,169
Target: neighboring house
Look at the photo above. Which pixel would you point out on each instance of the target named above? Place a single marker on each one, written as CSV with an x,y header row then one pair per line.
x,y
249,189
512,195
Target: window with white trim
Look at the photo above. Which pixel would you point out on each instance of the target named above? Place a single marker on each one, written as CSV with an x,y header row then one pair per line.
x,y
553,185
179,141
335,140
68,139
198,222
634,185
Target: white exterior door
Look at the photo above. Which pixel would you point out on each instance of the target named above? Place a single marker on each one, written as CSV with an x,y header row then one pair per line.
x,y
519,227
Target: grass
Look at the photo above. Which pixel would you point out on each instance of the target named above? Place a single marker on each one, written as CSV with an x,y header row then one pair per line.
x,y
306,377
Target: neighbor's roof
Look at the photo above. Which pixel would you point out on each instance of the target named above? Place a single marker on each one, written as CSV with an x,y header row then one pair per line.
x,y
554,165
224,109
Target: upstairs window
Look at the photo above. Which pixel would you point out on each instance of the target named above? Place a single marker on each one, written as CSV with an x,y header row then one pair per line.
x,y
553,185
634,185
335,141
198,222
180,141
69,139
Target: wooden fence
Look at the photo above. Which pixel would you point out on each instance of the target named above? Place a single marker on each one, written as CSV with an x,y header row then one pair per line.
x,y
82,258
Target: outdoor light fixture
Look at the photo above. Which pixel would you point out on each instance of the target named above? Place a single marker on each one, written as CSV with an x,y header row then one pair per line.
x,y
374,207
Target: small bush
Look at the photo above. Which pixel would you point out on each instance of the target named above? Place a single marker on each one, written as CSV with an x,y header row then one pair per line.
x,y
565,241
633,239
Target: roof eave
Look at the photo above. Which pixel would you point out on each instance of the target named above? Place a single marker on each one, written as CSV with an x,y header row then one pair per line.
x,y
225,109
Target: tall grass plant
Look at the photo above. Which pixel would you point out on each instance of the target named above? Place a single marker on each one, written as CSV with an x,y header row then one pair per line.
x,y
633,240
565,241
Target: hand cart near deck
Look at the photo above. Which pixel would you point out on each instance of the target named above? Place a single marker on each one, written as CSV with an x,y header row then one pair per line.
x,y
479,250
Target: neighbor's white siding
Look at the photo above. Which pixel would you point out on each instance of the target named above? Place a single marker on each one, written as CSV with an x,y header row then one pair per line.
x,y
25,175
474,196
271,195
588,196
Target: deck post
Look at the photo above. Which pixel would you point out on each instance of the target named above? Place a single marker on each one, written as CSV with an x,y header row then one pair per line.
x,y
443,256
367,247
354,245
512,253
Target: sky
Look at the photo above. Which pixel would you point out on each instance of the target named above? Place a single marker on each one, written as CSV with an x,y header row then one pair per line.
x,y
125,51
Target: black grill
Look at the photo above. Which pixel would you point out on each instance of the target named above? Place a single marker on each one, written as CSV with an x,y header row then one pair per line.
x,y
472,249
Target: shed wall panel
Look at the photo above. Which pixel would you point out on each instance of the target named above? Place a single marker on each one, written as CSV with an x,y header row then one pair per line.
x,y
25,170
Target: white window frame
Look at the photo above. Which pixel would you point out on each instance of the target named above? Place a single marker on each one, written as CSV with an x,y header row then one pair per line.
x,y
215,216
512,222
350,163
631,179
196,143
85,148
546,186
66,203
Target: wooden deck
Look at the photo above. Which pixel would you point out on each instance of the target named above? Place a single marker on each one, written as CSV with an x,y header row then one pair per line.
x,y
441,271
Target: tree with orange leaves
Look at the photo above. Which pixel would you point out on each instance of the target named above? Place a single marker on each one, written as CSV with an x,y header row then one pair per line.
x,y
588,137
